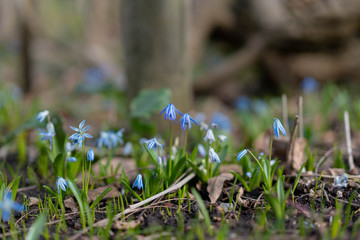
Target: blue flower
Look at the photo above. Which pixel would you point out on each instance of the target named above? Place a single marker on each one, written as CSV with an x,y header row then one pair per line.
x,y
138,182
90,155
243,103
201,150
340,181
170,112
80,134
110,139
7,205
153,144
186,121
49,134
209,136
62,184
127,149
277,126
222,121
71,159
213,155
309,84
248,174
241,154
42,115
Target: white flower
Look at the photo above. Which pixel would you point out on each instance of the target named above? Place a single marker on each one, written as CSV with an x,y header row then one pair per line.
x,y
213,155
42,115
209,136
222,138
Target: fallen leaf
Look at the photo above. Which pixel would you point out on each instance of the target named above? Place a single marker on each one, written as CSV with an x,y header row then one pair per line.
x,y
93,194
298,156
215,185
70,203
228,167
120,225
33,201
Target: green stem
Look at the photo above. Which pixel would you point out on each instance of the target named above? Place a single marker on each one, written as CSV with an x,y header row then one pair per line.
x,y
186,138
262,169
169,162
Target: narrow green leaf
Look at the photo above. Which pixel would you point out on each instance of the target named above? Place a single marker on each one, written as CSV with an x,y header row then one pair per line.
x,y
50,191
37,228
202,207
200,174
131,190
99,198
77,196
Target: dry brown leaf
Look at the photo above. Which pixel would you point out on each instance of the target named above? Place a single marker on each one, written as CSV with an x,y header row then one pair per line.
x,y
126,164
298,154
33,201
93,194
215,185
70,203
120,225
228,167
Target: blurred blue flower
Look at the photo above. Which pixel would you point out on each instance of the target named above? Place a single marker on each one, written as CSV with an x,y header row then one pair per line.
x,y
243,103
309,85
186,121
80,134
170,112
7,205
341,181
49,134
62,184
241,154
42,115
213,155
209,136
200,117
127,149
71,159
90,156
110,139
153,144
260,106
69,147
272,162
222,121
201,150
138,182
278,127
248,174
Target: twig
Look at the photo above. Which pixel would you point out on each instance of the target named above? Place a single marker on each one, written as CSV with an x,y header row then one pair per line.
x,y
284,112
323,158
301,119
24,189
348,142
291,143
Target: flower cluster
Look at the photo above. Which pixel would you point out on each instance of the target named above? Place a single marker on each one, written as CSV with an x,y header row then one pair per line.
x,y
110,139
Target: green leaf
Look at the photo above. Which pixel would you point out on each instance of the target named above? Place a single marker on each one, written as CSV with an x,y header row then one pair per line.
x,y
200,174
76,193
202,207
59,165
37,228
242,180
14,184
149,101
152,156
30,124
298,178
178,169
99,198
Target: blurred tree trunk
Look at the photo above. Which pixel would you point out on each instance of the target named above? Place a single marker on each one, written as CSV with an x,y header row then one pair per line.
x,y
154,36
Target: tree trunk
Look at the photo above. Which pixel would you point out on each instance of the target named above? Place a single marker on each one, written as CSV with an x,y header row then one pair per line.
x,y
154,37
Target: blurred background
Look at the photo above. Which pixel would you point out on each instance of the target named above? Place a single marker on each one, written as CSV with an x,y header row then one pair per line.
x,y
93,59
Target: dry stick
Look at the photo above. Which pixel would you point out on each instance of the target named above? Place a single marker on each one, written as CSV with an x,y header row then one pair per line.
x,y
291,143
134,207
348,142
301,120
323,158
284,112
